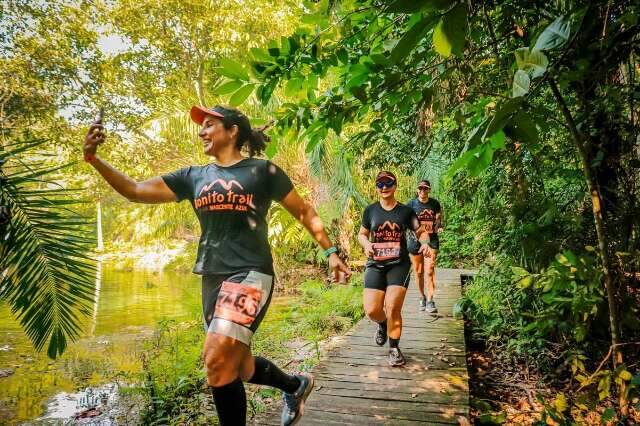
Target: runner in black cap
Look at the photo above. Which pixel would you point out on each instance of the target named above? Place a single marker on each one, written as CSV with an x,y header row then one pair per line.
x,y
388,270
429,213
231,197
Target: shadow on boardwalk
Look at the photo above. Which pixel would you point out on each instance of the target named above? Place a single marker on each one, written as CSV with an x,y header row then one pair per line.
x,y
355,386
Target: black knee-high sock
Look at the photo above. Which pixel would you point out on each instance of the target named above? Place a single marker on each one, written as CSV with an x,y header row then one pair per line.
x,y
268,374
231,403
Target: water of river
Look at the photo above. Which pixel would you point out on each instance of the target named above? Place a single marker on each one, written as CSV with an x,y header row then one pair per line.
x,y
130,305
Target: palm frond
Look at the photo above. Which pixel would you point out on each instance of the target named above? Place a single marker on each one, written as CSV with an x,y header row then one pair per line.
x,y
46,274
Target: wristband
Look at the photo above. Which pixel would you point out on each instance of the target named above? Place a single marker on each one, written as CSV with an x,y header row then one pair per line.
x,y
328,252
89,158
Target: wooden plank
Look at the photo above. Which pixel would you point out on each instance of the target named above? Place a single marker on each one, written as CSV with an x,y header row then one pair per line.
x,y
355,385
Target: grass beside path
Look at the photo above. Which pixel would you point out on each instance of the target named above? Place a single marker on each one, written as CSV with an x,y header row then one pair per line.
x,y
173,379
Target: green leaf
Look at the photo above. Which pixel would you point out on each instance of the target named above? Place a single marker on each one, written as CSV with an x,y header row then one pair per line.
x,y
533,61
561,403
521,82
411,38
228,87
522,128
608,415
502,116
261,55
241,95
555,35
449,35
412,6
293,86
272,147
233,70
497,141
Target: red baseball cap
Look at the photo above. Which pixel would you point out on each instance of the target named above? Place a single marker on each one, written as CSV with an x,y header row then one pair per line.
x,y
198,113
385,175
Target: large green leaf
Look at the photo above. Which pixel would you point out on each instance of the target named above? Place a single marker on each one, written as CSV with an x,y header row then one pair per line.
x,y
47,276
532,61
450,33
232,69
412,6
522,128
555,35
241,94
521,82
411,38
228,87
502,116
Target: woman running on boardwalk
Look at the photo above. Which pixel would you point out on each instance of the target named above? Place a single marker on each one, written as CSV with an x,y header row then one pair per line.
x,y
231,197
429,213
388,270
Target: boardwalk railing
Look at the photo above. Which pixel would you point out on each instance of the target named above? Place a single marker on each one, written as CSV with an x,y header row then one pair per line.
x,y
355,385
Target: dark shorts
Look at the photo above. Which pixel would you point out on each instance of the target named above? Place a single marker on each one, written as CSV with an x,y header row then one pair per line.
x,y
380,277
234,305
413,245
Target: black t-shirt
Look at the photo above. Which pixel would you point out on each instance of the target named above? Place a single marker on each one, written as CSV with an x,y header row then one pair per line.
x,y
231,204
426,213
386,232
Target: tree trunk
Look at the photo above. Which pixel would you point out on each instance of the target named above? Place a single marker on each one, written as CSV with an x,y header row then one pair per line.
x,y
100,246
580,140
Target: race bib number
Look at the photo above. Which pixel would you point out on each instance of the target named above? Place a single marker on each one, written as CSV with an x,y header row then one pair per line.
x,y
238,303
386,251
428,226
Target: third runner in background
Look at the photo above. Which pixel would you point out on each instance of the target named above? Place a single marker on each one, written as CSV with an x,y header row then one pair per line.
x,y
429,213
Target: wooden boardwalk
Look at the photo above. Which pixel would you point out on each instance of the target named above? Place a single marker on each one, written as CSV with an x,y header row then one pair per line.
x,y
355,385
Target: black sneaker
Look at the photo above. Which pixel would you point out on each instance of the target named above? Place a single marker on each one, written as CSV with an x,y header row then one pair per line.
x,y
396,359
431,307
381,335
423,303
294,402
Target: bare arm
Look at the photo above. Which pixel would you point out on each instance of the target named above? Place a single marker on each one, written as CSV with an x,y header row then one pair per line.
x,y
153,190
438,222
363,239
307,216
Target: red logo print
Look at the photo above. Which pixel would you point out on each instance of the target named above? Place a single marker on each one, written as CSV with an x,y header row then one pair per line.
x,y
226,185
210,199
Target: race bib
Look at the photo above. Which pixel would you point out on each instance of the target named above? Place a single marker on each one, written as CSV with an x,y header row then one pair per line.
x,y
428,226
238,303
386,251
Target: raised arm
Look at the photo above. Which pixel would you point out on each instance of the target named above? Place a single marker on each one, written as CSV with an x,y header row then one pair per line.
x,y
308,217
153,190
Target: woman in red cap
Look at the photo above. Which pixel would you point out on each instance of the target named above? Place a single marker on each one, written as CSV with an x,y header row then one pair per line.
x,y
388,270
231,197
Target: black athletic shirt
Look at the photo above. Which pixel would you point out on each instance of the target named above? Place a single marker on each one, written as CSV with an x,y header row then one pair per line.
x,y
386,232
231,204
426,213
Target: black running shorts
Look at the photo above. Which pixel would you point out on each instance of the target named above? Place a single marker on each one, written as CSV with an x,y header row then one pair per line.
x,y
380,277
413,246
235,305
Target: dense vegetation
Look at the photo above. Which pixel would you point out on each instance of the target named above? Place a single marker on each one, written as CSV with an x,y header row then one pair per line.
x,y
524,114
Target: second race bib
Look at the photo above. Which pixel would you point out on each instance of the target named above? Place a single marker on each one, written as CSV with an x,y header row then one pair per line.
x,y
386,251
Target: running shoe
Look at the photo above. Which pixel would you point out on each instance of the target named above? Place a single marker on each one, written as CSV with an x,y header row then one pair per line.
x,y
381,335
396,359
431,307
294,402
423,303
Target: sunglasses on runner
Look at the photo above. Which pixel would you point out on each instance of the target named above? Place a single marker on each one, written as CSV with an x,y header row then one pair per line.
x,y
385,184
424,188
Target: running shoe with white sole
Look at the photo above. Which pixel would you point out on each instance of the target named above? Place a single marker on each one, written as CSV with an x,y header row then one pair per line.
x,y
431,307
381,335
423,304
396,359
293,408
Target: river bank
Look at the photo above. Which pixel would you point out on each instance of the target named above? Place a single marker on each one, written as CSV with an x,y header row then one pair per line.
x,y
144,343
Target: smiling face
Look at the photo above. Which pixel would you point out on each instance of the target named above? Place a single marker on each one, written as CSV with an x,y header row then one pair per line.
x,y
423,192
386,188
215,136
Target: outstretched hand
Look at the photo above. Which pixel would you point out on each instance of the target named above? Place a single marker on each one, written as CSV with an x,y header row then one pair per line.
x,y
338,267
95,137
